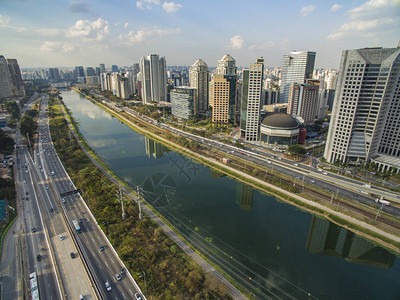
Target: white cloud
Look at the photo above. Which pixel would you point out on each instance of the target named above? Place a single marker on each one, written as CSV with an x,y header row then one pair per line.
x,y
373,18
57,47
376,7
91,30
236,42
147,4
49,31
4,20
171,7
365,28
126,24
150,34
336,7
306,10
266,45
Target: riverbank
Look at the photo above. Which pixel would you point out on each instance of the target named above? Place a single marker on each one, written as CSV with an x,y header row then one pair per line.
x,y
161,259
388,240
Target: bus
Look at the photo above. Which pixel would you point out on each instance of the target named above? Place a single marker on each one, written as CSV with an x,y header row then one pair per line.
x,y
34,286
76,225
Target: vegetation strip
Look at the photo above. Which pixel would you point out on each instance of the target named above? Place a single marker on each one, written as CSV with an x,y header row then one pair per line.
x,y
141,244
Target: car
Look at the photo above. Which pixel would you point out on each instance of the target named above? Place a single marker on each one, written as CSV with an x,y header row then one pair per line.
x,y
51,209
138,296
63,200
279,157
101,247
70,184
108,286
325,173
72,255
81,297
38,257
52,173
268,161
47,186
26,172
26,193
296,165
61,238
312,181
123,271
118,277
33,229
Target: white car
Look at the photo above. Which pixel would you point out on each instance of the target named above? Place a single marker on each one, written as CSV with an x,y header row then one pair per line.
x,y
325,173
108,286
61,238
296,165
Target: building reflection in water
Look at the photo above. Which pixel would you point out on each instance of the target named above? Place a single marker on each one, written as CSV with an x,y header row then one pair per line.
x,y
244,195
217,174
327,238
155,149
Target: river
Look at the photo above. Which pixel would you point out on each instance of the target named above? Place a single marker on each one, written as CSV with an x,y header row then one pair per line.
x,y
269,247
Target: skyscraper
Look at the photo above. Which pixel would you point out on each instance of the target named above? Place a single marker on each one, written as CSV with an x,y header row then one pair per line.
x,y
182,102
17,84
154,78
5,79
297,67
54,74
226,65
198,78
90,71
365,122
79,72
114,68
251,100
303,100
102,68
223,98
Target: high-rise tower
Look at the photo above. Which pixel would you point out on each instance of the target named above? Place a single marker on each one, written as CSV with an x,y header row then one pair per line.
x,y
5,79
226,65
154,78
17,84
251,100
297,67
365,122
198,78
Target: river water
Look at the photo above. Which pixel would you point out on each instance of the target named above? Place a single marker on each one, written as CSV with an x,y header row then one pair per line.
x,y
269,247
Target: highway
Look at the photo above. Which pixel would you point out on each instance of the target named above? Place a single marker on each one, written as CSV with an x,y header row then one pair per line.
x,y
103,264
332,183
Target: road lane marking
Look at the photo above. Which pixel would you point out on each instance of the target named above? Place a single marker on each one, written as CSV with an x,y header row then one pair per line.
x,y
123,295
130,291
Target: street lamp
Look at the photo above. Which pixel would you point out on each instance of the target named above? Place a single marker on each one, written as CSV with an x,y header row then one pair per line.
x,y
144,275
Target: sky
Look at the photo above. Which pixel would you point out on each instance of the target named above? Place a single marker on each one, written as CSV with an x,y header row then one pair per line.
x,y
64,33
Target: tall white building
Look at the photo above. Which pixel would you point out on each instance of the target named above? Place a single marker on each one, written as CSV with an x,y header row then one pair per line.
x,y
154,78
365,121
198,78
251,100
297,67
226,65
303,100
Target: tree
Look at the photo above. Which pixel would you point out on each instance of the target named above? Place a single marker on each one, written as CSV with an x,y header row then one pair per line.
x,y
28,126
6,142
296,150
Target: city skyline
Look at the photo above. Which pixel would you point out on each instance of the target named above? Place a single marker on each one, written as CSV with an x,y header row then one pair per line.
x,y
84,33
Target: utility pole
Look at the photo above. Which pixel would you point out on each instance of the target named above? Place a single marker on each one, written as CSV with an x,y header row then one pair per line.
x,y
138,189
120,195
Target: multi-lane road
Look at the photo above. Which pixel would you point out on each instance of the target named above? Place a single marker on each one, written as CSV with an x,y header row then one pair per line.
x,y
68,263
333,183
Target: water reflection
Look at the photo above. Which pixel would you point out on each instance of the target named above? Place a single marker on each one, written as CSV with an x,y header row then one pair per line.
x,y
327,238
244,195
155,149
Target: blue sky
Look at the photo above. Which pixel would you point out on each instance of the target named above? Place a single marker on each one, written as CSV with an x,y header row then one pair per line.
x,y
50,33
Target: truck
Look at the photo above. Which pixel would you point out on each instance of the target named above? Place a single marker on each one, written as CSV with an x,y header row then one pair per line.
x,y
76,225
382,201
